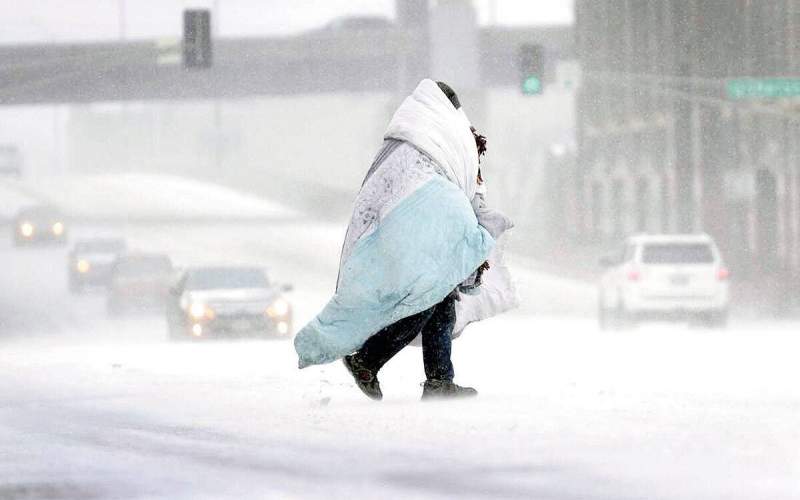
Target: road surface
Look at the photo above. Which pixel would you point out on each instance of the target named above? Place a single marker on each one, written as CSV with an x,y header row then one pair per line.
x,y
92,407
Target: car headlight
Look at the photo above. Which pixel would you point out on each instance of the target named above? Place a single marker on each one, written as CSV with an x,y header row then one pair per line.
x,y
200,311
278,308
58,228
26,229
83,266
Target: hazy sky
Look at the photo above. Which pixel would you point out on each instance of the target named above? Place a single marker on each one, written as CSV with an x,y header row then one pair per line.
x,y
34,127
74,20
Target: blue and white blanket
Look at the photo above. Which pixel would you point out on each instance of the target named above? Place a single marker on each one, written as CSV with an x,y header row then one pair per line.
x,y
413,236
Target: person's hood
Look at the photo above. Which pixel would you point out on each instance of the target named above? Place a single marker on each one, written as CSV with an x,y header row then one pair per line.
x,y
428,120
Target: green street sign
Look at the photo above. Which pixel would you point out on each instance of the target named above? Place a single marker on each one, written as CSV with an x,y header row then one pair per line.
x,y
763,88
532,86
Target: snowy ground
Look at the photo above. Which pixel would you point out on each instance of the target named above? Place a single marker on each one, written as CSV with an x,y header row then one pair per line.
x,y
12,198
138,196
98,408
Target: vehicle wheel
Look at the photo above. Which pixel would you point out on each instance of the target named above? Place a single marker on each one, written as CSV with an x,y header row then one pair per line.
x,y
622,319
114,309
722,320
717,320
175,333
603,317
613,319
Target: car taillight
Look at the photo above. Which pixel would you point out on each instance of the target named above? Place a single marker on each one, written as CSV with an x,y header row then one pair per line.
x,y
634,275
723,274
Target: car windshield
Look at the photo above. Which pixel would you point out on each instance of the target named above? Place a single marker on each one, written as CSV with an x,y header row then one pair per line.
x,y
101,246
678,253
144,266
209,279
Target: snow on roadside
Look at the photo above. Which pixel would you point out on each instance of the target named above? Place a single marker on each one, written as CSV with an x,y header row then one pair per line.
x,y
13,198
153,196
306,244
545,293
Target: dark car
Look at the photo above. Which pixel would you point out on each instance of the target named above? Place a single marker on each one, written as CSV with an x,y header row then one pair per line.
x,y
226,302
90,262
39,224
139,281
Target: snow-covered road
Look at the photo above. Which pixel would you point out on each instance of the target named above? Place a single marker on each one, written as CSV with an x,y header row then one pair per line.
x,y
563,414
95,408
92,407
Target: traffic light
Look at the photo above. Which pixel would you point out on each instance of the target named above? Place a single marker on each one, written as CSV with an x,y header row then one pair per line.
x,y
531,68
197,38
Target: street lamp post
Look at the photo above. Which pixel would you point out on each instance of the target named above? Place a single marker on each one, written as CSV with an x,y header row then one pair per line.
x,y
121,15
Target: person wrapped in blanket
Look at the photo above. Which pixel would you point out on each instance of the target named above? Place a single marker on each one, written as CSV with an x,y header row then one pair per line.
x,y
420,258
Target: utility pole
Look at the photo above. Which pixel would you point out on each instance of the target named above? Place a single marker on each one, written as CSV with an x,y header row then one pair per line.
x,y
217,101
413,16
122,18
57,164
684,125
121,15
215,19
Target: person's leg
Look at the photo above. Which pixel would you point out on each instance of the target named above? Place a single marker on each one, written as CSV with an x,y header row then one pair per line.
x,y
382,346
437,339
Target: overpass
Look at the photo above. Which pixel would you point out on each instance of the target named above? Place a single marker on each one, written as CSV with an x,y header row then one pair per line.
x,y
325,60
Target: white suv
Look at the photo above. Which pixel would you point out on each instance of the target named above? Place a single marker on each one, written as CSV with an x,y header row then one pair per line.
x,y
664,276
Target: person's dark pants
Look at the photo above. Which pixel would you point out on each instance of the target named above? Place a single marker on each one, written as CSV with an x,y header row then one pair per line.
x,y
436,326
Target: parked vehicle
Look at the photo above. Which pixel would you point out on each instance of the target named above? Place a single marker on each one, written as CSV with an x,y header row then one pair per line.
x,y
139,281
39,225
90,262
228,301
664,277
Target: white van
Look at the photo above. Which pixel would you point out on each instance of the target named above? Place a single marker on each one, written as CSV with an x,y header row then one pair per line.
x,y
679,276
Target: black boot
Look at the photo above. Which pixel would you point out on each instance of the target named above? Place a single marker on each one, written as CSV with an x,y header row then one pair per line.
x,y
446,389
366,379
